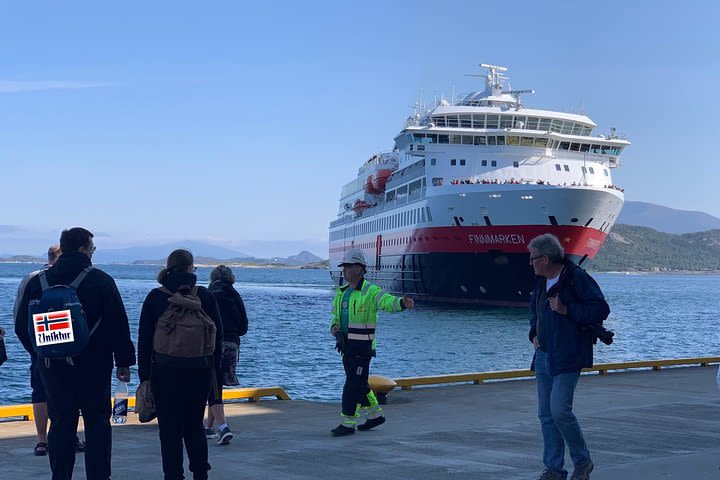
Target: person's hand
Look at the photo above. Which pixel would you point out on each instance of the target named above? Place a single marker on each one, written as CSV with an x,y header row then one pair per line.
x,y
407,302
557,306
536,344
123,374
334,330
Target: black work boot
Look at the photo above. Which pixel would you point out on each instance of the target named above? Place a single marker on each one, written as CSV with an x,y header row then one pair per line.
x,y
341,431
372,423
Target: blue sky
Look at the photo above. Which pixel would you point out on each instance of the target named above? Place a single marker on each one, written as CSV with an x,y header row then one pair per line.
x,y
230,122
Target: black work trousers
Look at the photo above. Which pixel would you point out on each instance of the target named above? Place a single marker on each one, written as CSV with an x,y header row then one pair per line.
x,y
356,386
180,397
71,390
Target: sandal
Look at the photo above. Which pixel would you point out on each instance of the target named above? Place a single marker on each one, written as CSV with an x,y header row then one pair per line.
x,y
79,445
40,449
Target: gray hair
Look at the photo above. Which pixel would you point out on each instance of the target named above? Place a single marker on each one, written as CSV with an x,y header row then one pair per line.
x,y
548,244
221,272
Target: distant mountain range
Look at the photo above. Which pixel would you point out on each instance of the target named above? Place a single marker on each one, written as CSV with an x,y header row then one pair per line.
x,y
666,219
634,248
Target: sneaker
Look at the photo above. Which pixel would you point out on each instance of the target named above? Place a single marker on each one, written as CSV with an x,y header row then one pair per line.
x,y
372,423
583,472
550,474
210,433
225,436
341,431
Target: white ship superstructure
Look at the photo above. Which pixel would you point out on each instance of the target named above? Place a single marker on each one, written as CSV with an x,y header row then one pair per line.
x,y
448,213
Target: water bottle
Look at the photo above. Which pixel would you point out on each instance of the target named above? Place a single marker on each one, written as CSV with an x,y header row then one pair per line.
x,y
120,406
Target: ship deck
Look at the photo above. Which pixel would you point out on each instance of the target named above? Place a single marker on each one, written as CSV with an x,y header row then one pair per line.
x,y
639,425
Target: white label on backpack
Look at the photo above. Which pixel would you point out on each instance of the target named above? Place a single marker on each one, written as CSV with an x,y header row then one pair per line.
x,y
53,327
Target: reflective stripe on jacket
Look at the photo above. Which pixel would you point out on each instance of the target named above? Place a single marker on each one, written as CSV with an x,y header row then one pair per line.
x,y
363,306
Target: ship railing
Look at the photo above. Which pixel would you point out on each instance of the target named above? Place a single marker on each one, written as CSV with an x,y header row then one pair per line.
x,y
397,202
383,159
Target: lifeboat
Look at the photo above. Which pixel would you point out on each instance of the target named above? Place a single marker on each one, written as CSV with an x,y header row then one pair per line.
x,y
369,187
380,178
360,205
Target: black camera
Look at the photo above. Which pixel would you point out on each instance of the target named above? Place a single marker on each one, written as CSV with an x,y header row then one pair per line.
x,y
602,333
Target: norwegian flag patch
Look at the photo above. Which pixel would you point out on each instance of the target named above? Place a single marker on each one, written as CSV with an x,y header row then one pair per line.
x,y
53,327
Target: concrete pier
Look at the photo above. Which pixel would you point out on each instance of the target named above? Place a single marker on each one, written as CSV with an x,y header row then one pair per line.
x,y
639,425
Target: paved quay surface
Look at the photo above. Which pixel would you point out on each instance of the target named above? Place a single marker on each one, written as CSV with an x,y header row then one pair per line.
x,y
639,425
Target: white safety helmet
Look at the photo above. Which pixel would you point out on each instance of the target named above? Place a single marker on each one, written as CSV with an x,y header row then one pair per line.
x,y
353,257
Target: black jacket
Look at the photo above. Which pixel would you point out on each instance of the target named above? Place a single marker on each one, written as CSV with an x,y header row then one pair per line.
x,y
569,340
155,304
100,298
232,310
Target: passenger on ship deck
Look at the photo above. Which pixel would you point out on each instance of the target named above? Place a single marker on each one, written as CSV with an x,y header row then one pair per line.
x,y
354,318
565,303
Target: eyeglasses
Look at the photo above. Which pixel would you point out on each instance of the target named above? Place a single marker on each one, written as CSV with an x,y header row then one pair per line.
x,y
532,259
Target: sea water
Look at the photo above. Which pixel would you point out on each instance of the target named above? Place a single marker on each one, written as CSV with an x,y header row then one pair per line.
x,y
288,342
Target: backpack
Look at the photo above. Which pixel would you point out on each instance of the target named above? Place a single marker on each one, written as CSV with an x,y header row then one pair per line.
x,y
184,333
56,321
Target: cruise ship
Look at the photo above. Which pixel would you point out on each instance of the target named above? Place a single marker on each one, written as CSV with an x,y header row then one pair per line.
x,y
446,216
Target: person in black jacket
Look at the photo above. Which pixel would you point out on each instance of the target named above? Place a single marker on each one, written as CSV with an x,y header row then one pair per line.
x,y
85,383
235,325
565,304
180,391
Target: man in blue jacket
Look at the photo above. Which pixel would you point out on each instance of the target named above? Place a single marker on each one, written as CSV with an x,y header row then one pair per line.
x,y
565,303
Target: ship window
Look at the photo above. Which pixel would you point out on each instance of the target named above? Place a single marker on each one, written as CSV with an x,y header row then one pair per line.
x,y
493,163
453,161
479,140
501,140
567,128
574,147
455,138
478,121
431,138
462,161
520,122
594,148
544,124
401,191
532,123
541,142
452,120
415,186
429,215
492,121
526,141
556,125
506,121
432,161
443,139
439,121
564,146
390,196
466,121
606,172
577,129
584,170
592,170
422,214
557,167
587,131
484,163
513,140
584,147
516,164
491,140
467,139
567,169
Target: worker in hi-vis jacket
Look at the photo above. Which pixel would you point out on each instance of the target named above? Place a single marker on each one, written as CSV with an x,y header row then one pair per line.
x,y
354,318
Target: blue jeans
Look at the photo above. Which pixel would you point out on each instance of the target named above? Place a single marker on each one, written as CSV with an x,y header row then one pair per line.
x,y
558,423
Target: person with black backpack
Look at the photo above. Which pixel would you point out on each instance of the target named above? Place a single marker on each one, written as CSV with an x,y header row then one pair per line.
x,y
179,352
72,317
235,325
